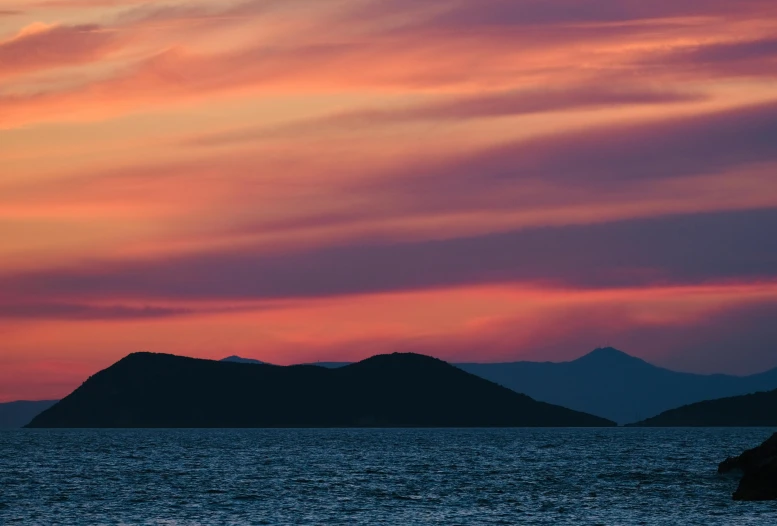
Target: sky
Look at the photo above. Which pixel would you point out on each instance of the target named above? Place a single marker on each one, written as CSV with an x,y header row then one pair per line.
x,y
302,180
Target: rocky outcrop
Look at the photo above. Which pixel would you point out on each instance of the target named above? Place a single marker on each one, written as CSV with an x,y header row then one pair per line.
x,y
759,471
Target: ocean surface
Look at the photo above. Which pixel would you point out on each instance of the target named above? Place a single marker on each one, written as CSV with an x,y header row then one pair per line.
x,y
403,477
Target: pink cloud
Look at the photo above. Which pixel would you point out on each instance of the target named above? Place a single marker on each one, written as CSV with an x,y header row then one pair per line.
x,y
40,47
464,107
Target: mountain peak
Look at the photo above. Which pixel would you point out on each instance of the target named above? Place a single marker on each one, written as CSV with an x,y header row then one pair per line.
x,y
610,355
608,351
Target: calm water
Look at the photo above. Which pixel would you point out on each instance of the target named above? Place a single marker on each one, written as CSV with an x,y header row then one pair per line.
x,y
526,476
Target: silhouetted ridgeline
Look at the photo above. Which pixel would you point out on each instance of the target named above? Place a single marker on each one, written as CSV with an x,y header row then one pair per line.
x,y
409,390
19,414
759,409
614,385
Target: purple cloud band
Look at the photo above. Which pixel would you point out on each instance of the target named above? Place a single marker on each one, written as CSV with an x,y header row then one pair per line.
x,y
685,249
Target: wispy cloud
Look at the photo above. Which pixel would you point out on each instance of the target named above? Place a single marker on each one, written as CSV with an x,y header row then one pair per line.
x,y
480,106
461,14
732,58
672,250
74,311
43,46
596,158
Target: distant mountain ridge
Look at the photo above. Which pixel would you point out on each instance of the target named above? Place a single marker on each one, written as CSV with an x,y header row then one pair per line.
x,y
612,384
238,359
398,390
20,413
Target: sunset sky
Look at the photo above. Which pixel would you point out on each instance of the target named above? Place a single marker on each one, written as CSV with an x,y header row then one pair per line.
x,y
301,180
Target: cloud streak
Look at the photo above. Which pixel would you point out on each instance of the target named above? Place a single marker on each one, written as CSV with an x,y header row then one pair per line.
x,y
41,47
462,14
602,158
679,250
489,105
69,311
755,58
410,58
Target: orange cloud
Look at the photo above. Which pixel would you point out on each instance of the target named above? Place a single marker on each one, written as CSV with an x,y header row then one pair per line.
x,y
42,46
410,59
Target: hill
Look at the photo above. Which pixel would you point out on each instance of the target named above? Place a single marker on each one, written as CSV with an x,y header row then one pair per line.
x,y
614,385
398,390
758,409
19,414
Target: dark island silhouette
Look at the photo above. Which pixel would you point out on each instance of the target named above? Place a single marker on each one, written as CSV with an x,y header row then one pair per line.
x,y
397,390
605,382
20,413
616,386
753,410
758,467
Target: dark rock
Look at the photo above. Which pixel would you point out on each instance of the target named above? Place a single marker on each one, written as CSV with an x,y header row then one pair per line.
x,y
731,464
759,471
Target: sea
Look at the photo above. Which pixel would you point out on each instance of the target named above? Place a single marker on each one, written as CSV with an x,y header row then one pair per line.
x,y
618,476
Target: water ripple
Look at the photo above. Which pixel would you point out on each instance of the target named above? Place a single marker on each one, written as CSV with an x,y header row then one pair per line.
x,y
499,476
